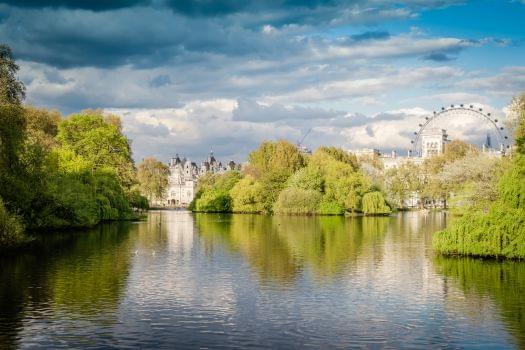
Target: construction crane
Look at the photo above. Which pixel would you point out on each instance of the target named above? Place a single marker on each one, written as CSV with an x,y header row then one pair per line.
x,y
300,143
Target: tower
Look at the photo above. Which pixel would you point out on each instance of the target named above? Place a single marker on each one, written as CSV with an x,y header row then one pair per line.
x,y
433,142
488,142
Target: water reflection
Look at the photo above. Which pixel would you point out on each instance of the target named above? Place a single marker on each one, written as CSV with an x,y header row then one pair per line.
x,y
221,281
487,285
79,276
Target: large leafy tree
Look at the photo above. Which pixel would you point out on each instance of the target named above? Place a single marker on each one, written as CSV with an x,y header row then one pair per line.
x,y
99,141
153,177
12,121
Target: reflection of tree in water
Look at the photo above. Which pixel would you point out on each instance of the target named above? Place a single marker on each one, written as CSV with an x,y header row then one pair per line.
x,y
502,281
84,273
257,240
279,247
329,244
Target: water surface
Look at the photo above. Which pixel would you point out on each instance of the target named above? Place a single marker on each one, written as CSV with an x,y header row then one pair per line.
x,y
247,281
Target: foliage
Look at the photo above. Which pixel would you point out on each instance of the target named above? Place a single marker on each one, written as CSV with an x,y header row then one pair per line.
x,y
12,91
213,195
59,173
297,201
152,176
340,155
374,204
99,142
308,178
280,156
11,229
247,196
279,179
330,208
497,230
402,181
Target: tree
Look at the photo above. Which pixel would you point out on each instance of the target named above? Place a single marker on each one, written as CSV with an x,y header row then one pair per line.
x,y
213,194
99,142
341,155
297,201
12,90
402,181
280,156
42,126
247,196
518,116
152,176
496,229
374,204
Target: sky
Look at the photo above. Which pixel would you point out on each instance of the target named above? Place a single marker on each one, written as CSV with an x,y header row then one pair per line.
x,y
190,76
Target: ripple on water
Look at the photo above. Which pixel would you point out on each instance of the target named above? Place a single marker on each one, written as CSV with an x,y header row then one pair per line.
x,y
242,281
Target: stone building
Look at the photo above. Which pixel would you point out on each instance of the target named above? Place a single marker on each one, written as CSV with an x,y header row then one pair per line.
x,y
433,142
184,173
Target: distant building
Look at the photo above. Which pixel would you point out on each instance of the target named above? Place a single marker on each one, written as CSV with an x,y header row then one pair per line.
x,y
433,142
182,181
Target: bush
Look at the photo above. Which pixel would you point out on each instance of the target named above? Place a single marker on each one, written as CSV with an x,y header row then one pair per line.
x,y
213,194
214,202
11,229
374,204
500,232
330,208
297,201
247,196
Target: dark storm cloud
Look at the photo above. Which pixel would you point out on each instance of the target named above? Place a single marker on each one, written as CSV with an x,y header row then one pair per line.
x,y
144,33
94,5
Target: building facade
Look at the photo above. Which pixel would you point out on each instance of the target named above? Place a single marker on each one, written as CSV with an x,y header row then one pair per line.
x,y
433,141
184,174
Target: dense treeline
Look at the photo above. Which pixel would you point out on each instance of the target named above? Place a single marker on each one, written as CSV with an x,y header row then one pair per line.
x,y
280,179
59,172
494,226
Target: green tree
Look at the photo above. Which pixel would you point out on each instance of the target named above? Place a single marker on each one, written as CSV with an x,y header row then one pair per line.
x,y
280,156
11,229
213,195
153,178
498,229
99,142
297,201
247,196
12,90
402,181
374,204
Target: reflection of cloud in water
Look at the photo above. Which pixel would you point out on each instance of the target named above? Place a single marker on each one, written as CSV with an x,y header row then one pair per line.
x,y
177,280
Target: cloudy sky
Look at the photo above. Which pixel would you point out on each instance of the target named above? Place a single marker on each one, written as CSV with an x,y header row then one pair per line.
x,y
187,76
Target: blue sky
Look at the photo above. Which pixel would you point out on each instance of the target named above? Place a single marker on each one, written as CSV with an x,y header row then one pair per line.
x,y
187,76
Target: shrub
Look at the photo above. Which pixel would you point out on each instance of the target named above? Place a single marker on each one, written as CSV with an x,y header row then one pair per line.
x,y
11,229
297,201
213,202
213,193
500,232
374,204
330,208
247,196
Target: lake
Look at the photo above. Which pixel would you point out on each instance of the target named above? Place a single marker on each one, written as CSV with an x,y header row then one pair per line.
x,y
183,280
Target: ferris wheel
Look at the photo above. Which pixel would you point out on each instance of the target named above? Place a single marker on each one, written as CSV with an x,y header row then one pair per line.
x,y
455,111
